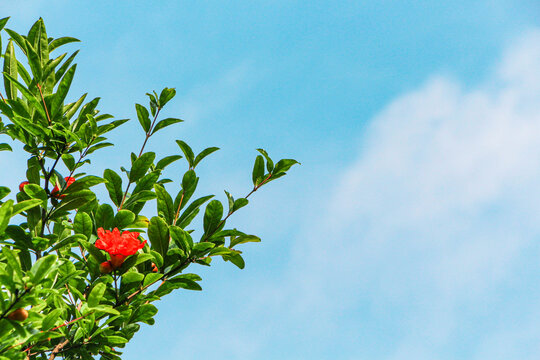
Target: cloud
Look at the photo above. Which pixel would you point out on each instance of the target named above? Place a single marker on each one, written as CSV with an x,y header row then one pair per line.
x,y
437,211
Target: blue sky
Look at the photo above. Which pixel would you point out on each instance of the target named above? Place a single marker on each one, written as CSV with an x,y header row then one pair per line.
x,y
411,229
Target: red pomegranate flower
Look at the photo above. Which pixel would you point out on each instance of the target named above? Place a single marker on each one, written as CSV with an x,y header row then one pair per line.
x,y
118,245
23,184
69,181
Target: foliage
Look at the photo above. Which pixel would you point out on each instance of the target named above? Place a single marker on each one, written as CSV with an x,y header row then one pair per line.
x,y
61,293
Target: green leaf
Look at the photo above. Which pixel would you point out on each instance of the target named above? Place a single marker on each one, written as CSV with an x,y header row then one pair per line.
x,y
104,216
114,186
166,95
164,123
283,165
94,251
5,147
181,238
184,283
258,170
36,192
188,153
242,239
204,154
6,211
144,313
143,116
212,216
4,191
34,62
269,162
141,166
236,259
161,164
25,205
51,319
193,208
61,93
56,43
164,204
158,234
96,294
83,224
84,183
69,161
239,203
42,267
123,218
10,67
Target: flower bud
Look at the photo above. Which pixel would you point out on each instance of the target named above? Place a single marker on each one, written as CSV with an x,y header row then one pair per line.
x,y
18,315
154,268
105,267
22,185
117,261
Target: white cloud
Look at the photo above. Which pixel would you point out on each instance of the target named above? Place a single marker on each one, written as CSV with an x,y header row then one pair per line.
x,y
438,209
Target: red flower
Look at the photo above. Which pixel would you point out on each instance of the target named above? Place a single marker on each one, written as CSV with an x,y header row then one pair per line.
x,y
69,181
23,184
118,245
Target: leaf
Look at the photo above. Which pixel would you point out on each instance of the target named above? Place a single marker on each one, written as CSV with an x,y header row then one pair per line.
x,y
166,95
6,211
61,41
161,164
62,90
239,203
51,319
25,205
243,239
36,192
104,216
42,267
4,191
181,238
191,209
164,203
258,170
96,294
283,165
94,251
84,183
164,123
212,216
144,313
236,259
158,234
141,166
204,154
269,162
143,116
69,161
188,153
83,224
114,186
123,218
184,283
10,67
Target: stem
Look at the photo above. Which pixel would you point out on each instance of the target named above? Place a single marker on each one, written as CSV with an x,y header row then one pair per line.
x,y
58,348
44,105
178,210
